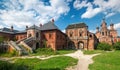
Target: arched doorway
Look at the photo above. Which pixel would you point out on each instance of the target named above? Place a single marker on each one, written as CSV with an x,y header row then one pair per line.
x,y
71,45
80,45
37,45
37,34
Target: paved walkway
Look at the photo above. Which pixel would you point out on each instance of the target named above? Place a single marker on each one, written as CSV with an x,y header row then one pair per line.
x,y
83,60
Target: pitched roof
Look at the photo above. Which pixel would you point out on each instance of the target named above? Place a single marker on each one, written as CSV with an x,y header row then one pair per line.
x,y
77,25
33,27
21,32
48,26
7,30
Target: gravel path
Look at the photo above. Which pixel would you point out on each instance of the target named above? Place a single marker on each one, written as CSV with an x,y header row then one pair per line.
x,y
83,60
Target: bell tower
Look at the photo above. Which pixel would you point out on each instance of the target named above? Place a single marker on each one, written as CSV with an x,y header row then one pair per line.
x,y
104,24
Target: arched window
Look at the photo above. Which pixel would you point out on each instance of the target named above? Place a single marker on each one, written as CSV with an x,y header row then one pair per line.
x,y
71,34
80,34
37,34
102,33
50,35
106,33
90,35
29,35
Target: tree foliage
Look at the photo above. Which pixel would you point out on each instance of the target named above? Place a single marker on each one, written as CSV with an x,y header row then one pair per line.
x,y
1,39
104,46
116,46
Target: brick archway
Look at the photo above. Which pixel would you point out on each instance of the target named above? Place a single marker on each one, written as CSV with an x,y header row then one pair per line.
x,y
37,45
80,45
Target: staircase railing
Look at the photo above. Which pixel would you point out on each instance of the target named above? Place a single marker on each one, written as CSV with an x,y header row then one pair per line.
x,y
28,39
29,49
21,40
14,46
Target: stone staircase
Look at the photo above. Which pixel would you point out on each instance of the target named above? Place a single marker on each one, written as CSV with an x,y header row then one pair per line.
x,y
15,47
24,51
21,46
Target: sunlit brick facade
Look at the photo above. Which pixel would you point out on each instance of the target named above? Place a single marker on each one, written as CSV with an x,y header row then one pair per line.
x,y
107,35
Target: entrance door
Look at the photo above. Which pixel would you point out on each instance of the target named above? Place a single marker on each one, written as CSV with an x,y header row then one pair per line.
x,y
37,45
80,45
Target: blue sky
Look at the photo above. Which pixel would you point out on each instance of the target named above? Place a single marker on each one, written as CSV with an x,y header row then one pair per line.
x,y
20,13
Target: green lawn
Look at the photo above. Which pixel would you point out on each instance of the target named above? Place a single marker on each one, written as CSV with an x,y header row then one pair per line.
x,y
40,52
47,52
106,61
93,51
7,54
55,63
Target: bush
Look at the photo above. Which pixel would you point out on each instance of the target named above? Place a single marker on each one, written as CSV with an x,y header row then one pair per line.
x,y
104,46
45,51
116,46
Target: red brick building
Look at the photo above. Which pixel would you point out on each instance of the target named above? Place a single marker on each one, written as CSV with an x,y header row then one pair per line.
x,y
48,35
107,35
79,37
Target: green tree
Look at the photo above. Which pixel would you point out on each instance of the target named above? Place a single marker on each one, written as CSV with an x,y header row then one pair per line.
x,y
116,46
104,46
1,39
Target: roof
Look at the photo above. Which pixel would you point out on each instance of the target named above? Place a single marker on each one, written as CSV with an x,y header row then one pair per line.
x,y
33,27
77,25
48,26
7,30
22,31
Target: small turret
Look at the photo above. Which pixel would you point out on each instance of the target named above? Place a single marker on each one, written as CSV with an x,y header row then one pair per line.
x,y
11,28
53,20
97,29
111,26
40,25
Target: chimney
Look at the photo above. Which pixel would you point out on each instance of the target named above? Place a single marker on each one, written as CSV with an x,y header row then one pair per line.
x,y
97,29
40,25
26,27
111,26
11,28
53,20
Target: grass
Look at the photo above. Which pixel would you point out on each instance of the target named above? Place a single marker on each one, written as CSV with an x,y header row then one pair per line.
x,y
65,51
40,52
55,63
5,55
106,61
8,54
93,51
48,51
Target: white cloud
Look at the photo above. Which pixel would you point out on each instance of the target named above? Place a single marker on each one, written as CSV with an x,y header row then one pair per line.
x,y
110,14
92,31
91,12
78,4
27,12
111,7
117,26
1,26
63,31
72,16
